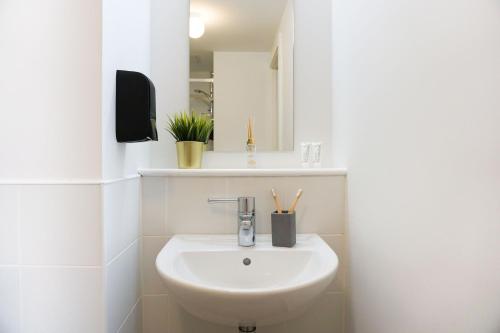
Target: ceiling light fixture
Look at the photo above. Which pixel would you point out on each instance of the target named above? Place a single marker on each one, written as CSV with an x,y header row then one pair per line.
x,y
196,26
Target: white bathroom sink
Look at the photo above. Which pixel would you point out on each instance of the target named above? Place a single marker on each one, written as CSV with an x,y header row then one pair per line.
x,y
207,276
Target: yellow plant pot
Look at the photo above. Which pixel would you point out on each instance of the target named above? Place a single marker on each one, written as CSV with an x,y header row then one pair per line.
x,y
189,154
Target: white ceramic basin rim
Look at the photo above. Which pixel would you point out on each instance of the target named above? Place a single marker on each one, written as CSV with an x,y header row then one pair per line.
x,y
208,276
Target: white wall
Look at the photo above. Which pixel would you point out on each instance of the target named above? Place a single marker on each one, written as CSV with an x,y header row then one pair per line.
x,y
68,234
321,210
126,45
50,226
243,89
312,77
50,89
416,114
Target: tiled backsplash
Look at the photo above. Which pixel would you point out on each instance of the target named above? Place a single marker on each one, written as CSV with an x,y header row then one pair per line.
x,y
175,205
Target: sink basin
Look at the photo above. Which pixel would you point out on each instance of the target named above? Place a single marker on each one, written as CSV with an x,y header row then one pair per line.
x,y
216,280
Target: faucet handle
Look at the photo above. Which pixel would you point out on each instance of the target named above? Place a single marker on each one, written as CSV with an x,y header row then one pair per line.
x,y
246,205
217,200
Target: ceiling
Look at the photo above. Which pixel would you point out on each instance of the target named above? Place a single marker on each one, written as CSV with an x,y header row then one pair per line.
x,y
237,25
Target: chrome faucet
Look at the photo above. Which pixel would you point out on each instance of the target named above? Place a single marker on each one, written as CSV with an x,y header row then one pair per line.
x,y
246,218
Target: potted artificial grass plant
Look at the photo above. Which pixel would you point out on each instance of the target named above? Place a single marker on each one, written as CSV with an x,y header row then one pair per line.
x,y
191,132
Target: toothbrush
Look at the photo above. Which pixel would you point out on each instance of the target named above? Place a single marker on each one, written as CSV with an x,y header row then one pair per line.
x,y
277,203
295,201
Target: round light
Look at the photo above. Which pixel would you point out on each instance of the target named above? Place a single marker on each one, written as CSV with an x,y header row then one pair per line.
x,y
196,26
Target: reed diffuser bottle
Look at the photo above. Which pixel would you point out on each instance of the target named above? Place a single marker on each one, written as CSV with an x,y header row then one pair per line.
x,y
251,147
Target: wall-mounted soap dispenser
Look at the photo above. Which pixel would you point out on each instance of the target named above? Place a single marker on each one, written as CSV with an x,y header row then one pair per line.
x,y
135,107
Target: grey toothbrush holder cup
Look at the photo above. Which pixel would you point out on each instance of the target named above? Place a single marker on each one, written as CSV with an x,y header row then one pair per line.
x,y
283,229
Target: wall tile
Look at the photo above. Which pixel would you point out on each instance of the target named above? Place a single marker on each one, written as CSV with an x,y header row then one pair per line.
x,y
60,225
155,309
180,321
322,205
122,286
121,216
152,282
153,206
8,225
10,321
325,316
58,299
188,210
320,210
133,323
339,283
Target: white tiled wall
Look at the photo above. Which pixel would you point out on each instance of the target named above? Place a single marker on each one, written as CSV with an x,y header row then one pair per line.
x,y
60,225
120,215
172,205
133,322
10,301
51,259
9,225
121,206
70,258
60,299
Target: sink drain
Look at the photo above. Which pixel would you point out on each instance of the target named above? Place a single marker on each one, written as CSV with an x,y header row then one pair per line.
x,y
247,261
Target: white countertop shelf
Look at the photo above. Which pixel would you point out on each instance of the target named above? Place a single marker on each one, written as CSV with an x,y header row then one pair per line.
x,y
242,172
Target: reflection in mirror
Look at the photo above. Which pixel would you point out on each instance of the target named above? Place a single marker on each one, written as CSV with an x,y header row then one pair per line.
x,y
241,67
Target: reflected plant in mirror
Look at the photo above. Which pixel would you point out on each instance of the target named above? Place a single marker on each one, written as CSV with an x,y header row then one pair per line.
x,y
241,67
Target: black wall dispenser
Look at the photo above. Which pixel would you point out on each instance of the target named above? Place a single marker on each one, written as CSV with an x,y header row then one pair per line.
x,y
135,107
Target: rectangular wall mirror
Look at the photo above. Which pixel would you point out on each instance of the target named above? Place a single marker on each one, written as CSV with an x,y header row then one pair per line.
x,y
241,68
